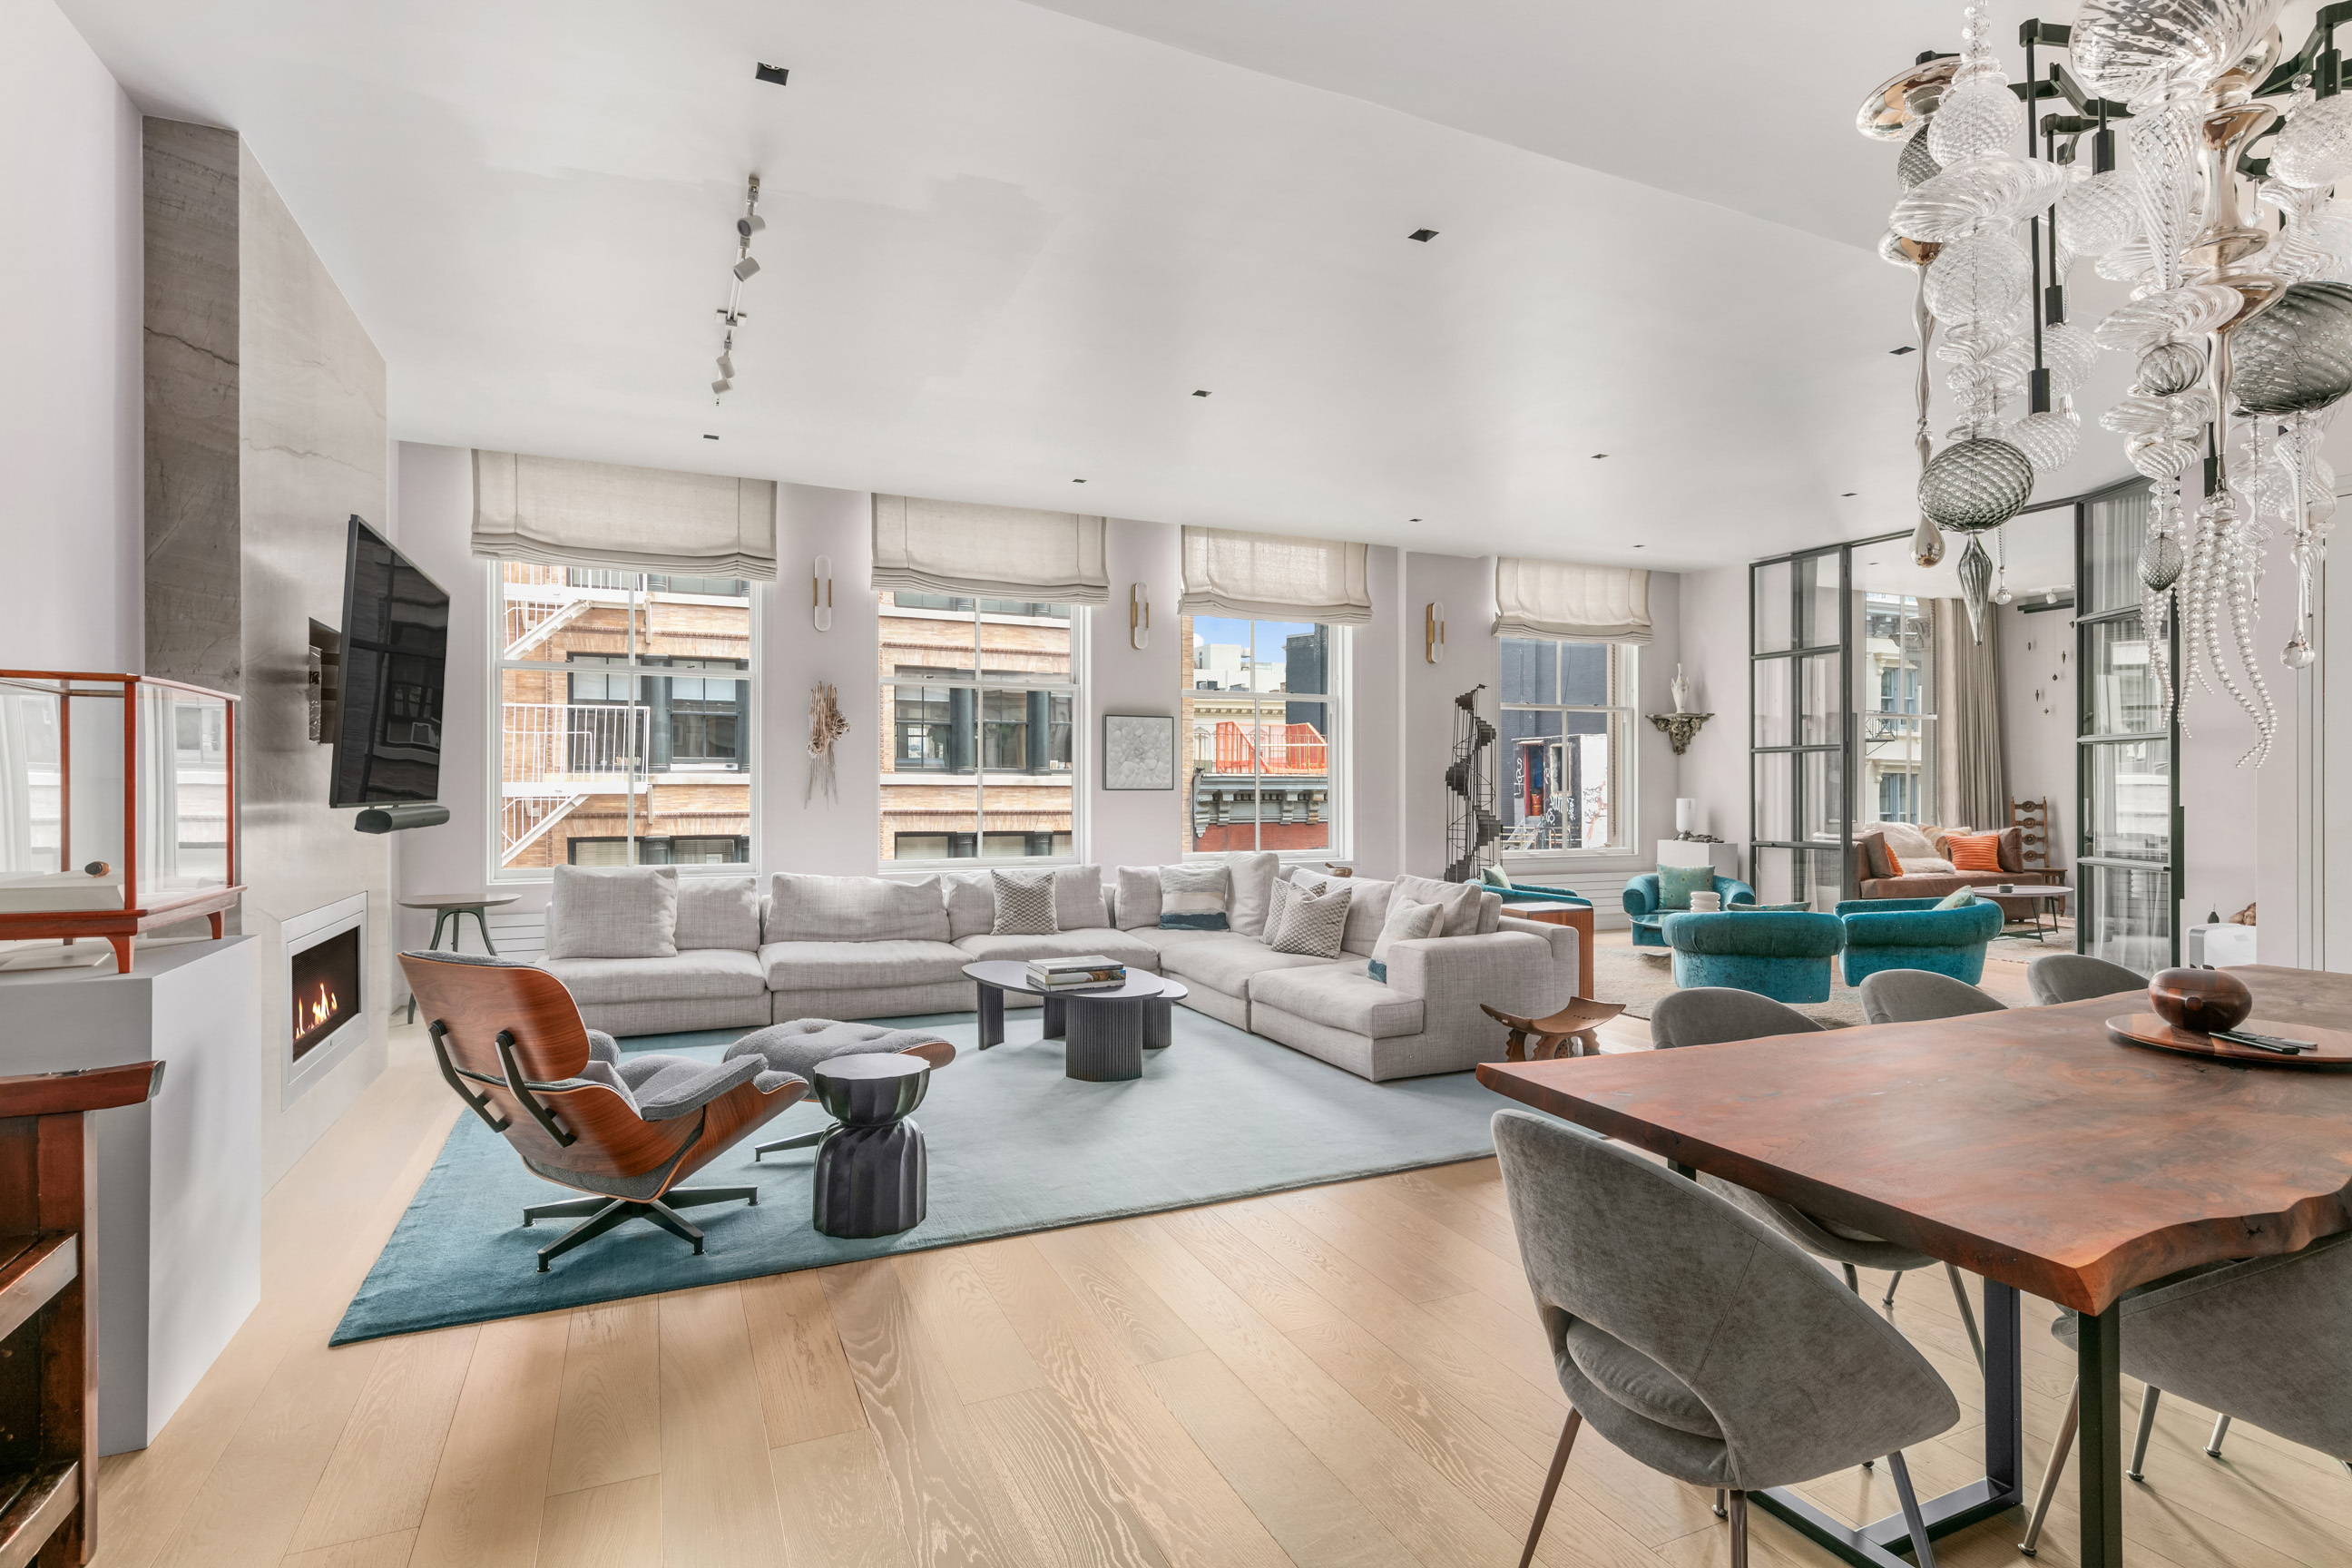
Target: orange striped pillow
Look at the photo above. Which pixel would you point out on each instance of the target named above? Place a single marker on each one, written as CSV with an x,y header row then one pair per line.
x,y
1976,852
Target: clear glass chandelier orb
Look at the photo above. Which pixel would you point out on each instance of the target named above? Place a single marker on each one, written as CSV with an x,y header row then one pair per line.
x,y
2070,353
2144,51
1917,164
1975,485
2316,148
2160,457
2169,367
2099,212
2297,354
2160,561
2187,312
1983,274
2048,440
1978,195
1976,117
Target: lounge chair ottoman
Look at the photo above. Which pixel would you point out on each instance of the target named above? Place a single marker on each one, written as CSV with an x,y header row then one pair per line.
x,y
798,1046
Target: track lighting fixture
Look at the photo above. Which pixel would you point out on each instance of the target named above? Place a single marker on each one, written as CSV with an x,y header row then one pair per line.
x,y
745,269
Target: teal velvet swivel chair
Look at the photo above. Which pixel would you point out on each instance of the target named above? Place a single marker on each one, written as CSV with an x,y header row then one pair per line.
x,y
1913,933
1641,903
1781,954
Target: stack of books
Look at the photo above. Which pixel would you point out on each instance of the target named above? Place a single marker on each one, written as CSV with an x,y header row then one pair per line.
x,y
1088,971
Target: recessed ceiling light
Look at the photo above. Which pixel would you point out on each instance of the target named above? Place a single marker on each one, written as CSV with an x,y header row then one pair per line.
x,y
1199,394
1848,495
710,437
1423,234
1078,481
1906,349
766,72
1412,520
1599,455
1637,547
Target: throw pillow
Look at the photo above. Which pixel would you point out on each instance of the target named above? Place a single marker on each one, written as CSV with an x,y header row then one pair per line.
x,y
1907,841
1313,923
718,913
1977,852
802,908
1286,892
1194,897
1495,877
1875,862
1458,900
1406,923
1957,898
1893,862
618,912
1677,883
2012,850
1024,903
1138,896
1078,899
1251,890
1928,866
1764,908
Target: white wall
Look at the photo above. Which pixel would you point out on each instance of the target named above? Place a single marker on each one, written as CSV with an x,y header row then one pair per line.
x,y
69,352
2039,694
1714,615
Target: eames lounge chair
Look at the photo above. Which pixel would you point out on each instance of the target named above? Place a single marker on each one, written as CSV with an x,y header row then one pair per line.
x,y
626,1129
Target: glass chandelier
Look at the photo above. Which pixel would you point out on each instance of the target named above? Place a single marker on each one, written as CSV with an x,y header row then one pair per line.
x,y
2240,331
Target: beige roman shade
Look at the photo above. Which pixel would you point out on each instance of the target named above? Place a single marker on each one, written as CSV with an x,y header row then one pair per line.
x,y
1562,599
1274,577
988,551
558,512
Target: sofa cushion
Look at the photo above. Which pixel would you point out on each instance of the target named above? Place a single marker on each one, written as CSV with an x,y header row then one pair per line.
x,y
1161,939
1458,900
1871,859
1366,912
681,977
1138,897
617,911
1024,903
1407,921
1490,911
856,909
970,897
2012,850
1252,892
1340,996
1115,944
860,965
1906,841
1308,919
797,1047
718,911
1677,883
1227,964
1078,899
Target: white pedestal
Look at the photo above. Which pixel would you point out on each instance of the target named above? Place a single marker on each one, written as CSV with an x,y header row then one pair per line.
x,y
178,1254
1723,858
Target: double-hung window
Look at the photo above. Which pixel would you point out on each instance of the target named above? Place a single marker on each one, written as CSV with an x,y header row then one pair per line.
x,y
1564,758
1260,748
624,719
978,734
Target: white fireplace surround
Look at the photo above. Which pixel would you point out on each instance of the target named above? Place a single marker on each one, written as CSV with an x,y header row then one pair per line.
x,y
298,934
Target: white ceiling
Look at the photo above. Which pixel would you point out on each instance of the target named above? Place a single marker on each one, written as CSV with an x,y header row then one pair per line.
x,y
1006,243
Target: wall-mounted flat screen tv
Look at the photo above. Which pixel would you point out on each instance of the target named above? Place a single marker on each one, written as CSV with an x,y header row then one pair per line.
x,y
395,652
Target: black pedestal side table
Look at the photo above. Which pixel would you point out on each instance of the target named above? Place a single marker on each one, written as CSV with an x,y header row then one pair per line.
x,y
871,1170
451,911
1108,1030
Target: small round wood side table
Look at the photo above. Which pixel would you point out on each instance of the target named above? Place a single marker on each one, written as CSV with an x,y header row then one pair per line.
x,y
451,910
872,1174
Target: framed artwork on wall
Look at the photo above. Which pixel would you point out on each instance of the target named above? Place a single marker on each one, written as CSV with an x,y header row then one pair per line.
x,y
1138,751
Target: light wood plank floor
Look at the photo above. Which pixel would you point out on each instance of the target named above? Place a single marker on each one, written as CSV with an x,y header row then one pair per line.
x,y
1346,1375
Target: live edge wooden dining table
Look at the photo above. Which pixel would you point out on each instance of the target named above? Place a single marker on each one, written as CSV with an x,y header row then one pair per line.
x,y
2027,1147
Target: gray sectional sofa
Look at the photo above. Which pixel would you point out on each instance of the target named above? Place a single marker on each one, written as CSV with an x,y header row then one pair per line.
x,y
870,947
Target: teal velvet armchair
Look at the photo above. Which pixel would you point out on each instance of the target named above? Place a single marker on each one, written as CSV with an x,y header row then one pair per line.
x,y
1781,954
1913,933
1641,903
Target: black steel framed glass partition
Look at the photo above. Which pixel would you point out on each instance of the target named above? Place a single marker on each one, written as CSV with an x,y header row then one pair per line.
x,y
1800,678
2127,785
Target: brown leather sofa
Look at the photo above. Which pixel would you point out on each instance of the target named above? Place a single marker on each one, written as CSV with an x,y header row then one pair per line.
x,y
1871,856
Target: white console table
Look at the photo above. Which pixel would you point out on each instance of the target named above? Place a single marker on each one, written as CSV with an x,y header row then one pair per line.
x,y
179,1178
1724,858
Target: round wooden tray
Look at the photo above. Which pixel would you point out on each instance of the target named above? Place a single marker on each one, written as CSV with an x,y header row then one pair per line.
x,y
2147,1029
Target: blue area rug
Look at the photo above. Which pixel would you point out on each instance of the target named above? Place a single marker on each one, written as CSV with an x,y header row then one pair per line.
x,y
1015,1146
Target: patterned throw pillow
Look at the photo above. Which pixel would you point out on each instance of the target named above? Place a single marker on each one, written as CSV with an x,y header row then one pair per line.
x,y
1406,923
1677,883
1957,898
1977,852
1309,922
1195,897
1286,892
1024,903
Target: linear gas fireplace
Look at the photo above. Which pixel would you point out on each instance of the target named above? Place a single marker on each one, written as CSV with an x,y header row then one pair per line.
x,y
326,970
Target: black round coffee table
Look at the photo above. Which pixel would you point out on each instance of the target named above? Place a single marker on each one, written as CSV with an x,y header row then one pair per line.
x,y
1105,1031
872,1168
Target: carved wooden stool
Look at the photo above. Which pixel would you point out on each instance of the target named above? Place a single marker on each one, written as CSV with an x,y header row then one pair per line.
x,y
1571,1031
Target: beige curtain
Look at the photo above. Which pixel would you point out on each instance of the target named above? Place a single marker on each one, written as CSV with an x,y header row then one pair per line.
x,y
988,551
558,512
1971,758
1274,577
1562,599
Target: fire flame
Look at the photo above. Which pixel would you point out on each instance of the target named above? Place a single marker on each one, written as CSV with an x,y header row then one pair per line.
x,y
309,1013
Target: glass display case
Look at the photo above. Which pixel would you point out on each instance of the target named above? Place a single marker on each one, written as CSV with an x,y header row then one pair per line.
x,y
118,810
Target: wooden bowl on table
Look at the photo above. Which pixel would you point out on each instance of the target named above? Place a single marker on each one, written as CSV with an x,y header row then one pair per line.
x,y
2204,1000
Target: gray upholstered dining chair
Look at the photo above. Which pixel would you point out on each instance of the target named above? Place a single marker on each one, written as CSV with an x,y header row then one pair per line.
x,y
1714,1015
1698,1338
2215,1336
2074,976
1922,995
